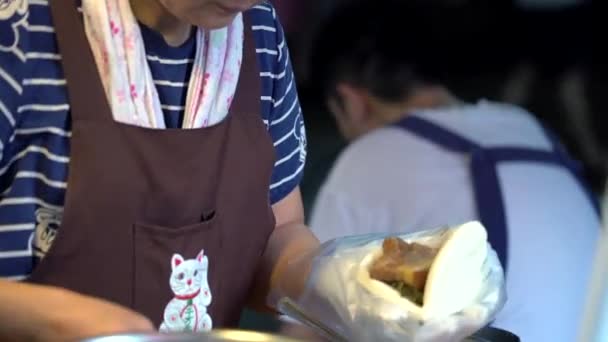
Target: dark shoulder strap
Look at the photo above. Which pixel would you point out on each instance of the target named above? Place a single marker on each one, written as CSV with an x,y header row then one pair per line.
x,y
85,91
436,134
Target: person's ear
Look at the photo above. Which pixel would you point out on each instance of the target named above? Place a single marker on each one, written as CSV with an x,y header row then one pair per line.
x,y
335,107
355,104
343,123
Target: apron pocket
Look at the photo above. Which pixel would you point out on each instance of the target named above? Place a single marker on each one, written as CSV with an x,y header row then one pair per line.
x,y
176,273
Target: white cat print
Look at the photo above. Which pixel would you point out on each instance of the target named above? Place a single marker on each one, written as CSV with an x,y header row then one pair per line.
x,y
187,311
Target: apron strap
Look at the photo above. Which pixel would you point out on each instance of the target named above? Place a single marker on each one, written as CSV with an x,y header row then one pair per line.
x,y
487,191
575,167
437,134
248,92
490,204
85,91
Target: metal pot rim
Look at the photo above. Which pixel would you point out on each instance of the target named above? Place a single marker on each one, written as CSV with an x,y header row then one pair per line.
x,y
235,335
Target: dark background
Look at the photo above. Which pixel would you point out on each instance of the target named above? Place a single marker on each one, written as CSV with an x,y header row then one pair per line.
x,y
485,44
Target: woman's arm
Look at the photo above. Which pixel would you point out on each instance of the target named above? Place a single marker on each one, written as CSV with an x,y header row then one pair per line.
x,y
286,129
290,240
41,313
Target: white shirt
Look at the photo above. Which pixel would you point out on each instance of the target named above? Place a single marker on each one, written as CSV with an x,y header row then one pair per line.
x,y
391,180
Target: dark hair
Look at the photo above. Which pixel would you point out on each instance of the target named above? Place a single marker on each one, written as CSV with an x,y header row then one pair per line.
x,y
379,45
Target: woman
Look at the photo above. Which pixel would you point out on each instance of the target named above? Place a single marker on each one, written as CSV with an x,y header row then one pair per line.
x,y
156,227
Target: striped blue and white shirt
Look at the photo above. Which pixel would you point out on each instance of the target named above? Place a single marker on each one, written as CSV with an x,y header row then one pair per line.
x,y
35,126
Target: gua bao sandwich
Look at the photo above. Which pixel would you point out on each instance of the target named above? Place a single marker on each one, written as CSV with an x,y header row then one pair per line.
x,y
405,267
430,279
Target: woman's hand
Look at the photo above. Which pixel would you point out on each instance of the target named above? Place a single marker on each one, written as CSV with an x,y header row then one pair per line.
x,y
39,313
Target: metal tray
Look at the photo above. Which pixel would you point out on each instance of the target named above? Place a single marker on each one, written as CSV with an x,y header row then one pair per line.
x,y
214,336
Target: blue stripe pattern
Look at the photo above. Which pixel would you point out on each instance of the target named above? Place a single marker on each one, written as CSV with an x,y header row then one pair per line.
x,y
35,127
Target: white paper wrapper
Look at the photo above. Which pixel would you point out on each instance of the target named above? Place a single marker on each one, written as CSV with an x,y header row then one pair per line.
x,y
340,294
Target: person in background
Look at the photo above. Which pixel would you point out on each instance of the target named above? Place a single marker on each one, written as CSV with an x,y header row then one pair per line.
x,y
420,158
155,107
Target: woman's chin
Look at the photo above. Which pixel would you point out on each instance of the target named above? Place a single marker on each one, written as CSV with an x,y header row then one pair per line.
x,y
214,22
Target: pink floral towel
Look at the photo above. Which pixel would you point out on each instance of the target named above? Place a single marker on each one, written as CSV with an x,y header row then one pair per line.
x,y
119,52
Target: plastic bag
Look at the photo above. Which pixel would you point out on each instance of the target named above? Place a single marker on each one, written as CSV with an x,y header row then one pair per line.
x,y
335,296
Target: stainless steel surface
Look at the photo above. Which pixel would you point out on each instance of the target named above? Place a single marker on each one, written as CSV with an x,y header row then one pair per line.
x,y
293,310
476,339
214,336
490,334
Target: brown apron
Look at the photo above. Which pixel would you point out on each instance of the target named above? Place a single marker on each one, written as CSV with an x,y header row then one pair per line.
x,y
137,197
